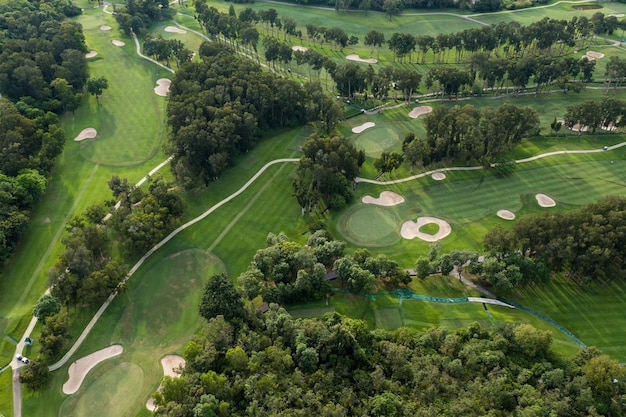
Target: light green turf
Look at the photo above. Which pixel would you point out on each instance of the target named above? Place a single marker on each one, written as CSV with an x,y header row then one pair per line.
x,y
124,137
388,318
110,394
377,140
369,225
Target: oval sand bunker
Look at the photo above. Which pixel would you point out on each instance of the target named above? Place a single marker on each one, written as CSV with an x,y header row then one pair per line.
x,y
419,111
506,214
387,198
117,43
88,133
105,27
174,29
91,54
355,57
438,176
299,48
366,125
171,364
545,201
410,229
163,87
79,369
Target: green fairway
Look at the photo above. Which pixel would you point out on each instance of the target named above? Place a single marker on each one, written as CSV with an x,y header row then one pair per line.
x,y
369,225
388,318
111,394
375,141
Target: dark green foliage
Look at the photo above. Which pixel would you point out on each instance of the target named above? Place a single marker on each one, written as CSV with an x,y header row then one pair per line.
x,y
220,298
335,366
143,219
219,107
586,244
54,336
96,86
35,375
288,272
326,172
46,306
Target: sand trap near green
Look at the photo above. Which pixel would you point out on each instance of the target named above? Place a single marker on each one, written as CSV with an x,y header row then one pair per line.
x,y
376,140
163,87
364,126
386,198
545,201
369,225
87,133
174,29
356,58
110,395
506,214
80,368
411,229
419,111
171,365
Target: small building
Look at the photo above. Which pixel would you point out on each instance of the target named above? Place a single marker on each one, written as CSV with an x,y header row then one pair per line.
x,y
330,275
263,308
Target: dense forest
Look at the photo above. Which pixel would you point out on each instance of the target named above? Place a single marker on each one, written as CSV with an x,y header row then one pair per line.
x,y
221,106
274,365
42,72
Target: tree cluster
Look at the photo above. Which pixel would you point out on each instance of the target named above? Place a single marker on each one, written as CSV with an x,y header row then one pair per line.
x,y
137,15
287,272
167,49
608,114
220,106
335,366
585,244
144,218
326,173
457,132
43,56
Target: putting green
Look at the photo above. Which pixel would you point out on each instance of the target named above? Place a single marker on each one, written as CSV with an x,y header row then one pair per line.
x,y
370,226
375,141
110,395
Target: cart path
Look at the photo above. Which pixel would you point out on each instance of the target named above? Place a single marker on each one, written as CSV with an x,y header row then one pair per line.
x,y
476,168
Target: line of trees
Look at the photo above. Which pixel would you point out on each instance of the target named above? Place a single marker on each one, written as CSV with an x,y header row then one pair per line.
x,y
609,113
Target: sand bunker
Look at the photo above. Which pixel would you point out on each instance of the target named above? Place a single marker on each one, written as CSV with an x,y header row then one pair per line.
x,y
117,43
616,15
506,214
419,111
366,125
410,229
174,29
105,27
594,55
88,133
355,57
171,364
163,87
545,201
387,198
299,48
438,176
79,369
91,54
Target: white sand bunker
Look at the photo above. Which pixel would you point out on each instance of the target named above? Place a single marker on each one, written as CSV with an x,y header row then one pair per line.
x,y
366,125
545,201
616,15
163,87
299,48
410,229
594,55
355,57
91,54
171,365
117,43
174,29
105,27
88,133
79,369
419,111
506,214
387,198
438,176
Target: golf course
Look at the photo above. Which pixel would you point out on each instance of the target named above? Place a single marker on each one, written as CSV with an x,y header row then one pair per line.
x,y
399,213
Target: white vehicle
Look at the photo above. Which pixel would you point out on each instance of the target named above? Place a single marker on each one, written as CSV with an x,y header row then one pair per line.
x,y
25,360
18,357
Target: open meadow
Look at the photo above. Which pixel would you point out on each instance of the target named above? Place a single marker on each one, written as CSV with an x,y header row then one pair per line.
x,y
158,312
